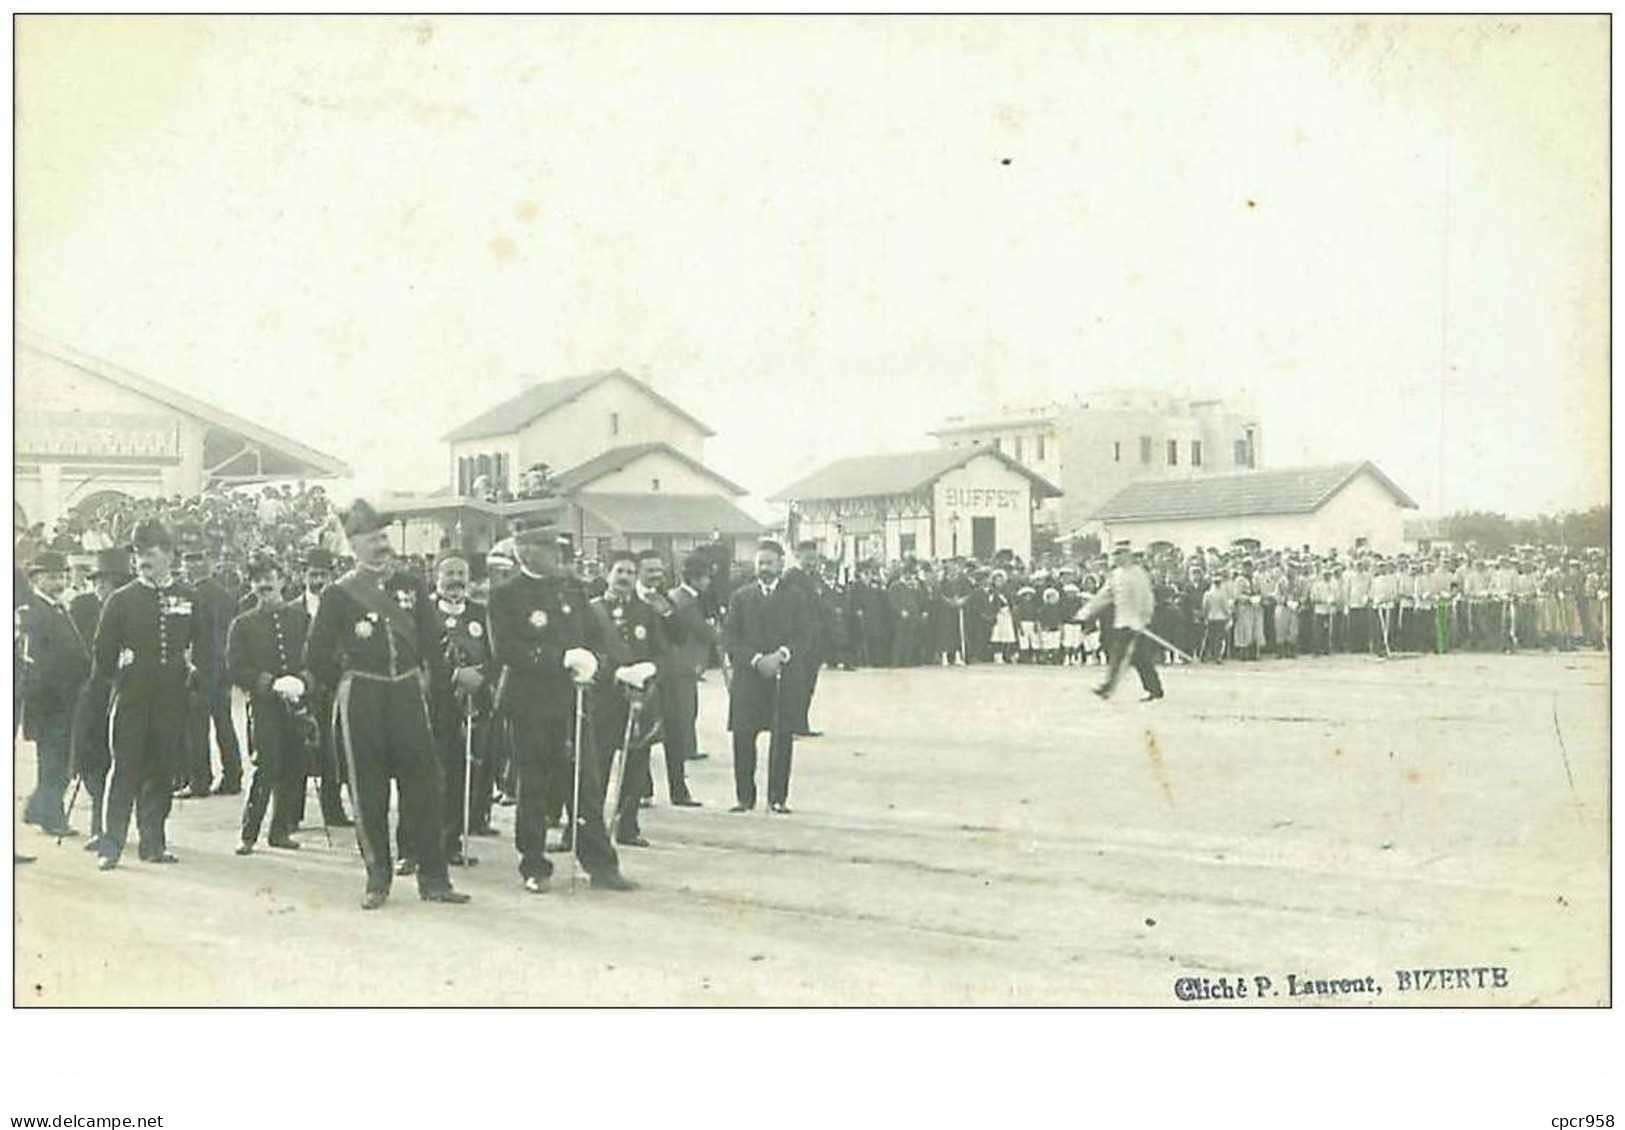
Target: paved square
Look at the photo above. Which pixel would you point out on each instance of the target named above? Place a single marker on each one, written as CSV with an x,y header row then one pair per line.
x,y
988,835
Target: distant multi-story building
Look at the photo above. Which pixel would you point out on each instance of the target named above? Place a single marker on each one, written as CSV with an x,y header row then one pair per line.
x,y
1094,445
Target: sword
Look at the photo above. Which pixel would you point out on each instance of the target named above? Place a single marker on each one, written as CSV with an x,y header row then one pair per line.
x,y
962,634
617,770
1154,638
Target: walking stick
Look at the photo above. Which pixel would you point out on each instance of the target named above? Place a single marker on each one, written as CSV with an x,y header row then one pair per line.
x,y
772,736
962,659
575,788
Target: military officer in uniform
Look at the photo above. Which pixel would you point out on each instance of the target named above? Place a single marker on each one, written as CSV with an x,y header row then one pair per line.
x,y
679,683
630,640
538,631
265,649
145,641
326,763
463,705
56,664
375,648
768,630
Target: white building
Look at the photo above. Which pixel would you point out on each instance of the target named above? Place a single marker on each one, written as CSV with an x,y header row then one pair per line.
x,y
1343,506
624,463
935,504
88,430
1094,445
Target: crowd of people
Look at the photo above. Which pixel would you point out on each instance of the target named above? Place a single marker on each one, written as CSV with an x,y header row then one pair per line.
x,y
1213,605
531,678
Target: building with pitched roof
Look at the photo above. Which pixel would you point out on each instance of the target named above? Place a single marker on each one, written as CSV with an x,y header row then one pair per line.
x,y
945,502
1342,505
87,429
623,467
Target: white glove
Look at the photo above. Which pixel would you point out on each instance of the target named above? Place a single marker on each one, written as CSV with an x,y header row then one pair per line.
x,y
290,687
581,663
635,675
126,656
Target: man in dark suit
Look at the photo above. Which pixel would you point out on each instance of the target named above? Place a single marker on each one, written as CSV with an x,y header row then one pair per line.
x,y
56,663
91,758
769,630
265,657
679,683
328,765
806,572
211,703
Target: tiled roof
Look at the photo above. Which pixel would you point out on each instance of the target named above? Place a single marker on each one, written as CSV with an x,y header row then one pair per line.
x,y
867,476
668,513
1297,490
540,399
585,474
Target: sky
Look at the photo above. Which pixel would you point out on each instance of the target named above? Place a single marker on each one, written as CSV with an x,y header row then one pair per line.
x,y
823,235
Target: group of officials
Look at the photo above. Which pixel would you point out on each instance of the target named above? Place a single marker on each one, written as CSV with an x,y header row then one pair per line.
x,y
559,685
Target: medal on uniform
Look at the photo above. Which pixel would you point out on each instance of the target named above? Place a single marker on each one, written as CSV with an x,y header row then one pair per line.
x,y
451,621
640,632
538,619
475,629
406,598
363,629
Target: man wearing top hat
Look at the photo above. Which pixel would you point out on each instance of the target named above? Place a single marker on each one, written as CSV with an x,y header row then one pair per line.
x,y
375,648
56,661
146,639
540,635
91,758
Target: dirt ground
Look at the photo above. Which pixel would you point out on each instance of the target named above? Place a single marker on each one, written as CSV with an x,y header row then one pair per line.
x,y
985,836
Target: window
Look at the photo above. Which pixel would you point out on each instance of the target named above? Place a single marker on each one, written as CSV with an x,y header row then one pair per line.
x,y
905,544
998,443
1196,453
1145,449
1018,449
1173,453
1241,453
1117,451
654,484
614,423
1040,455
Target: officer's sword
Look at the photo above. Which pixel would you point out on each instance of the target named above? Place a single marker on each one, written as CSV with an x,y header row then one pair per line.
x,y
617,771
1154,638
962,657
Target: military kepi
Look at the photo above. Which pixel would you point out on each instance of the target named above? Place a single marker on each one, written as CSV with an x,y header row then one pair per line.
x,y
362,518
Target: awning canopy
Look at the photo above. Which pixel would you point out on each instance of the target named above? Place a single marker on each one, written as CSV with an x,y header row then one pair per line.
x,y
668,513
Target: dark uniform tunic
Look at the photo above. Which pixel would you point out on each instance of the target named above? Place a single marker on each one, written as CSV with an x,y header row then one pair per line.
x,y
261,646
760,621
533,622
58,661
374,646
156,630
627,631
